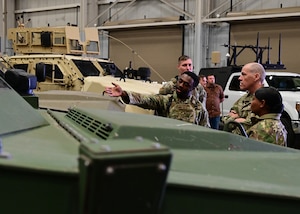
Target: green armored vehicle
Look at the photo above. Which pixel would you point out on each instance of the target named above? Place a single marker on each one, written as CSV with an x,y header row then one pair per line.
x,y
90,160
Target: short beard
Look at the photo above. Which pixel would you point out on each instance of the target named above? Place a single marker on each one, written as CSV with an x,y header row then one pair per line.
x,y
183,95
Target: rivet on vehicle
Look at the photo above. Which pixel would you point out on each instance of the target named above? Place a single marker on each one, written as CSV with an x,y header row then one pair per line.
x,y
156,145
162,167
106,148
109,170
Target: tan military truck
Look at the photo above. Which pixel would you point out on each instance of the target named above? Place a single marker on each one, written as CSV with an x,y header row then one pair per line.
x,y
61,60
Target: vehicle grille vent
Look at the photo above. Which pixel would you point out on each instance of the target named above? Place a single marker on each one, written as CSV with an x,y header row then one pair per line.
x,y
92,125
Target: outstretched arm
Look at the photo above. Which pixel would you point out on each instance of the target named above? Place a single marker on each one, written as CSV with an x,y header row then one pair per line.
x,y
117,91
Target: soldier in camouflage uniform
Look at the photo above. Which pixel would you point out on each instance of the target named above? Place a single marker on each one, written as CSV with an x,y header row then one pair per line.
x,y
267,104
203,94
251,78
180,105
184,64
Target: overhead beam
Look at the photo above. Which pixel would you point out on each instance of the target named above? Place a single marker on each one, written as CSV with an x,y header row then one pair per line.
x,y
111,1
183,22
222,5
40,9
251,17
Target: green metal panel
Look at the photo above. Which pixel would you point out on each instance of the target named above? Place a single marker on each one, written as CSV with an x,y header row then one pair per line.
x,y
119,154
47,148
32,100
15,114
222,182
103,125
125,176
38,160
181,199
36,192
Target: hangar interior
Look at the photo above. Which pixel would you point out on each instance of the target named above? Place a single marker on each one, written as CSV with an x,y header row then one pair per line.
x,y
154,33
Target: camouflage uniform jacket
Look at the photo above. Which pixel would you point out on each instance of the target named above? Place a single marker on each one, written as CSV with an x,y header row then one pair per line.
x,y
169,87
268,128
189,110
243,108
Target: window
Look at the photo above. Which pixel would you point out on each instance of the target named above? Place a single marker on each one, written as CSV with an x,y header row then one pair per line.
x,y
235,84
111,69
21,66
284,83
57,72
87,68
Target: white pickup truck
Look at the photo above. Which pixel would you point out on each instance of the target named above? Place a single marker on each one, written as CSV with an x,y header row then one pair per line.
x,y
287,83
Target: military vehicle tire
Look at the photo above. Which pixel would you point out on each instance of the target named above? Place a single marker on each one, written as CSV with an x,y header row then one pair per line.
x,y
40,72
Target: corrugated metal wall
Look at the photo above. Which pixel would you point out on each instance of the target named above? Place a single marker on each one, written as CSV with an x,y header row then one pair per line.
x,y
158,48
247,33
83,12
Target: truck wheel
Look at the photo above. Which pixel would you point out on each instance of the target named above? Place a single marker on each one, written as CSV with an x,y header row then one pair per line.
x,y
289,128
40,72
